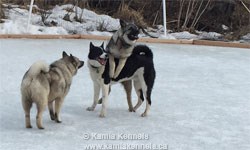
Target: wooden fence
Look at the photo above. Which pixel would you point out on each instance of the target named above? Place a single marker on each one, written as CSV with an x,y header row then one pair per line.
x,y
147,40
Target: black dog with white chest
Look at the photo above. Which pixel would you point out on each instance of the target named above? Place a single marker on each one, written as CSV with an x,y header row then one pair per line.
x,y
139,67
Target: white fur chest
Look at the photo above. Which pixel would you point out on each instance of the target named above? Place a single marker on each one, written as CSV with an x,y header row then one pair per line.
x,y
96,73
119,52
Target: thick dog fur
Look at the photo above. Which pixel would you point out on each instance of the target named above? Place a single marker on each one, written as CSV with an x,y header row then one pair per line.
x,y
120,46
139,67
45,85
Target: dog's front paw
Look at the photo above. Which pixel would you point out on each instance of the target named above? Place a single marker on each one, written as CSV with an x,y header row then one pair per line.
x,y
102,115
58,121
90,109
52,116
131,110
29,126
40,127
143,114
135,108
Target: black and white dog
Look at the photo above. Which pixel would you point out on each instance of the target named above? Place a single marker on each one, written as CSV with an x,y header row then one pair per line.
x,y
139,67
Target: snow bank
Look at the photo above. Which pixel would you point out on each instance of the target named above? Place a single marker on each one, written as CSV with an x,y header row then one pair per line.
x,y
246,37
184,35
92,22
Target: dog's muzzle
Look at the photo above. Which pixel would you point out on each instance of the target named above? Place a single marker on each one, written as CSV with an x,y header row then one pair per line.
x,y
81,64
133,35
102,61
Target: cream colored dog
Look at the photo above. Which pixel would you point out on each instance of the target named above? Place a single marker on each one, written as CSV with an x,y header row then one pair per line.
x,y
45,84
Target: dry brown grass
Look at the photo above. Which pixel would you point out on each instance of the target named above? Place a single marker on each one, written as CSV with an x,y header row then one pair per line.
x,y
128,14
2,15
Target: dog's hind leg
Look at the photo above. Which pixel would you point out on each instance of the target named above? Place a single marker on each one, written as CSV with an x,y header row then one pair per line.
x,y
58,106
51,110
139,94
148,105
96,96
147,94
128,89
140,99
120,66
40,108
27,104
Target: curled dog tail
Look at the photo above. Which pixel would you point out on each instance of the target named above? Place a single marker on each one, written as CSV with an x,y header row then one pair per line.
x,y
38,67
143,50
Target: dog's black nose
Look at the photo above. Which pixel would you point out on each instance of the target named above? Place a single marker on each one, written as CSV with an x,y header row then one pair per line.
x,y
136,37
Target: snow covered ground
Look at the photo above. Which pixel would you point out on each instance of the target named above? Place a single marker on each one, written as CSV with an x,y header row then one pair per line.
x,y
200,101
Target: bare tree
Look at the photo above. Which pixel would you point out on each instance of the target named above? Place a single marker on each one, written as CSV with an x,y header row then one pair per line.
x,y
192,13
79,15
44,11
2,15
180,14
196,19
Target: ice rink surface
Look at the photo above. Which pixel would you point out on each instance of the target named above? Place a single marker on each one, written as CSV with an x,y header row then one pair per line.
x,y
200,100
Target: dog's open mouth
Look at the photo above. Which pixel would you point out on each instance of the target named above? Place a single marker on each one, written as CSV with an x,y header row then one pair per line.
x,y
102,61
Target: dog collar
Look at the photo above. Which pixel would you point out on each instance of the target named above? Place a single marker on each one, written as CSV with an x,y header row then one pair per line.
x,y
96,68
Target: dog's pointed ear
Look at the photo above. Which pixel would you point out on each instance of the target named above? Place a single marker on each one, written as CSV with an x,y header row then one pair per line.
x,y
91,46
64,54
71,57
72,60
102,45
122,23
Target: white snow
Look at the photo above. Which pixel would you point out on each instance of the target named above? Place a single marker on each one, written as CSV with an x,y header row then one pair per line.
x,y
224,27
246,37
92,23
209,36
184,35
201,35
200,100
